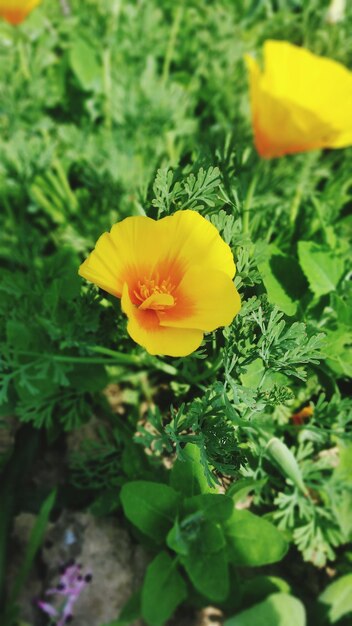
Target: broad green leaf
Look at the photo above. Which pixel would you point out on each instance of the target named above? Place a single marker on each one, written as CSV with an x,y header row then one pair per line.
x,y
240,489
343,309
258,588
187,476
253,373
343,471
338,597
163,590
194,535
322,267
211,537
342,508
283,280
152,507
286,462
279,609
342,503
178,540
85,65
337,349
208,573
242,531
215,507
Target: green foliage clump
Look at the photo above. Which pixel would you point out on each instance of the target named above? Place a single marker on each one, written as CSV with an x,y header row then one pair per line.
x,y
121,109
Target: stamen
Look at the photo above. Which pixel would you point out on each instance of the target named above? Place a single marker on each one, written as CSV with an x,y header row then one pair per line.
x,y
149,289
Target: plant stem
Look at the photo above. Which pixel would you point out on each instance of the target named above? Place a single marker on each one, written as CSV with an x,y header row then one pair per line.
x,y
248,202
23,61
117,358
172,42
107,87
65,7
143,359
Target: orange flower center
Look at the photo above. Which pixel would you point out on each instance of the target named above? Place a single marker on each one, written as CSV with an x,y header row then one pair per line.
x,y
155,294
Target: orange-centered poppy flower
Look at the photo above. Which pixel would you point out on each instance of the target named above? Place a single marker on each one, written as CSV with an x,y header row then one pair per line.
x,y
174,278
15,11
299,102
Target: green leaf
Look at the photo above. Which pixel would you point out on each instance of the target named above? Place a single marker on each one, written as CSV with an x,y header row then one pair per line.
x,y
343,309
283,280
253,373
342,507
258,588
187,475
322,267
208,573
286,462
343,472
215,507
279,609
35,541
151,507
242,532
338,597
211,537
84,63
240,489
337,350
177,539
163,590
195,535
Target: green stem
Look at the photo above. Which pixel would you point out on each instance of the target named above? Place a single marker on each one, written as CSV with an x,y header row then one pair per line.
x,y
107,87
143,360
117,358
122,359
172,42
248,202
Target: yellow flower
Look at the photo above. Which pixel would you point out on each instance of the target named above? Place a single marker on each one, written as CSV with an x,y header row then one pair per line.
x,y
299,102
174,278
15,11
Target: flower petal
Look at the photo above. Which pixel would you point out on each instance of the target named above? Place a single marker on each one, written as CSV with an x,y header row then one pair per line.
x,y
192,238
316,83
139,247
280,126
309,111
214,301
16,11
144,328
127,251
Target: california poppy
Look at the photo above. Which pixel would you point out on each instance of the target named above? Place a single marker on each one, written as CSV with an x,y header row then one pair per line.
x,y
174,278
299,102
15,11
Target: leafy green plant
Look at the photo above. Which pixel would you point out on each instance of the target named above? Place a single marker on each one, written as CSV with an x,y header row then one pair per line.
x,y
120,108
204,535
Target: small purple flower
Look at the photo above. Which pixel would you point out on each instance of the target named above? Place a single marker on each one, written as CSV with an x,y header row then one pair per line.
x,y
66,593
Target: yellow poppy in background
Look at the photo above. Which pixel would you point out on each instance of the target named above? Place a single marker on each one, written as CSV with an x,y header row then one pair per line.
x,y
299,102
15,11
174,278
